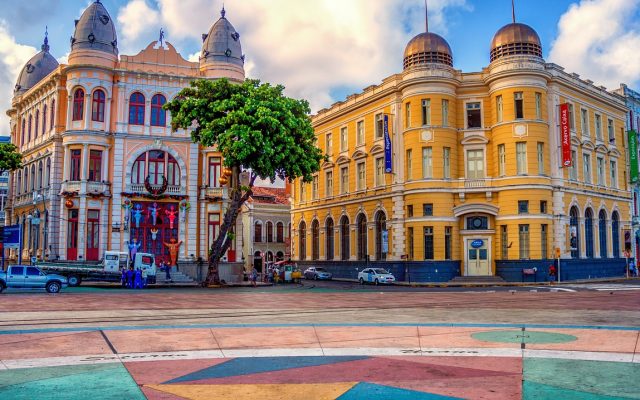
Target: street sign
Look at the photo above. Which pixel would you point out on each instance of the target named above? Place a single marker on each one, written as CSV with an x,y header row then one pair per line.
x,y
11,237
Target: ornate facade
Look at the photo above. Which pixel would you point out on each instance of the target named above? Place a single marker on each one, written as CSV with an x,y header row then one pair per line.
x,y
102,168
476,174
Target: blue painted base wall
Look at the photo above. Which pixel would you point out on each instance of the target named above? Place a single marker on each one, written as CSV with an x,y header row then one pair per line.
x,y
407,271
572,269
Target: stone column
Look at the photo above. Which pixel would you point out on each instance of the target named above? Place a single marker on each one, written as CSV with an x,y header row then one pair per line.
x,y
117,180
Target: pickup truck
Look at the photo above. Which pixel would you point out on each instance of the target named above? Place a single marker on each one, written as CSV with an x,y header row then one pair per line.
x,y
28,277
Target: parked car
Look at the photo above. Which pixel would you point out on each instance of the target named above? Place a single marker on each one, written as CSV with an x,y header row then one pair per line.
x,y
28,277
316,273
376,276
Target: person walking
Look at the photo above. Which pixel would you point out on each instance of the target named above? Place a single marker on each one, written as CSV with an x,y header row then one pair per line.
x,y
167,273
552,273
123,278
145,276
254,276
138,279
130,278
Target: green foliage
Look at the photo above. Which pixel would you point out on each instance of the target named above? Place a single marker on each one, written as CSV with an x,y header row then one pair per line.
x,y
252,124
10,159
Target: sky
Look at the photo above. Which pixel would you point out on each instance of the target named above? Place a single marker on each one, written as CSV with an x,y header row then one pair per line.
x,y
324,50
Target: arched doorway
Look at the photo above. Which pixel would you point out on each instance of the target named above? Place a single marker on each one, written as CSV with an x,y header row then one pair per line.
x,y
615,234
574,232
344,238
382,238
315,240
602,233
257,261
588,233
361,230
329,237
302,234
279,256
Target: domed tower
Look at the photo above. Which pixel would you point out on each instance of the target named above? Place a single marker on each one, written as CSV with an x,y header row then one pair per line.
x,y
38,67
221,55
515,39
427,48
94,40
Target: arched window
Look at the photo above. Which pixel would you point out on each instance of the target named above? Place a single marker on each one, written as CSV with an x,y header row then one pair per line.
x,y
97,106
24,123
279,256
315,240
136,109
269,232
602,232
574,226
52,121
37,125
29,128
40,175
78,105
156,164
361,230
588,233
615,234
257,232
44,119
25,183
33,177
19,183
381,231
303,241
48,174
158,114
344,238
329,237
280,232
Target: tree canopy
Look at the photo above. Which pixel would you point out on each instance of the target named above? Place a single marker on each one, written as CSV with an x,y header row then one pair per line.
x,y
10,159
252,124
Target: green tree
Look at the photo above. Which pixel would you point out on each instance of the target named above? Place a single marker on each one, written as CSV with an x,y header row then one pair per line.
x,y
10,159
261,134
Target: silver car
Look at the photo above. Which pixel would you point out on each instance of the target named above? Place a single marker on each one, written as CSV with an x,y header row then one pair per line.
x,y
316,273
29,277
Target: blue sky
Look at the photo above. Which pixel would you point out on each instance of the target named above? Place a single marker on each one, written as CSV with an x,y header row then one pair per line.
x,y
323,50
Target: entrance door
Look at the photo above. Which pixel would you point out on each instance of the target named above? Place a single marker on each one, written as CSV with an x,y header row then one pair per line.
x,y
478,257
93,235
72,233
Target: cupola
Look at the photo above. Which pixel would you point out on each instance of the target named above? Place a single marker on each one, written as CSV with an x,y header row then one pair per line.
x,y
515,39
36,69
94,35
427,48
221,55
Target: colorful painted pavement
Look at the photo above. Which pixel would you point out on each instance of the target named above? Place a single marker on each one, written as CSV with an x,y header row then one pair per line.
x,y
322,361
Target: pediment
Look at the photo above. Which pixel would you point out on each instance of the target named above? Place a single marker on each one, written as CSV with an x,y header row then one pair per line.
x,y
471,208
342,160
615,153
602,149
376,149
474,139
327,165
575,141
588,145
358,154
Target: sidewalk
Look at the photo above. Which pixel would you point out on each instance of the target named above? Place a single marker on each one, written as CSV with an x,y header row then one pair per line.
x,y
490,284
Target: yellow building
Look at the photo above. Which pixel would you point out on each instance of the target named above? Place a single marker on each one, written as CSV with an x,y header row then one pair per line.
x,y
477,186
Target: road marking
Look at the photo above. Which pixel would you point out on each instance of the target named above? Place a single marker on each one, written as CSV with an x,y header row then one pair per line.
x,y
556,289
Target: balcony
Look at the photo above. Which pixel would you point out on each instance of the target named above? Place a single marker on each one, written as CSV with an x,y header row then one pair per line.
x,y
481,183
213,193
139,188
90,188
24,199
103,188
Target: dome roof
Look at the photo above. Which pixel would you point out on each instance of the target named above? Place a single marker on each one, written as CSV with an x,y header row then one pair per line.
x,y
95,31
515,39
38,67
427,48
222,44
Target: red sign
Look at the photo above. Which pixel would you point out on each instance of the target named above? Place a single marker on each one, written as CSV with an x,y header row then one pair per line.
x,y
565,135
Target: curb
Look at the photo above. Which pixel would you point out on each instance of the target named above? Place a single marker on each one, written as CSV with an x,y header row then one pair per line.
x,y
491,284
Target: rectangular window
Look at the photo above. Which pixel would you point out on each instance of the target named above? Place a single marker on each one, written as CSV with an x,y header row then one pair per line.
x,y
427,163
215,166
360,133
543,241
76,160
586,165
361,176
380,171
475,164
329,183
426,112
303,195
598,118
446,162
504,242
407,115
314,188
379,125
612,136
409,166
543,206
410,243
572,122
499,108
447,243
502,160
344,180
427,209
540,158
329,144
257,232
523,237
538,105
523,206
614,174
600,170
573,171
95,165
474,118
410,211
521,157
445,112
428,242
344,139
584,121
519,105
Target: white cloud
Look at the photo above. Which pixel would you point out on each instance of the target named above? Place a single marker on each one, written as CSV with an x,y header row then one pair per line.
x,y
313,48
137,21
13,57
194,57
599,40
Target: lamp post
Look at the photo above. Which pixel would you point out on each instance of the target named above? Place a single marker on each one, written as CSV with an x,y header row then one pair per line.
x,y
35,218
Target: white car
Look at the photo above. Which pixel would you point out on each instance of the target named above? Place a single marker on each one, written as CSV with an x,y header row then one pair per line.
x,y
376,276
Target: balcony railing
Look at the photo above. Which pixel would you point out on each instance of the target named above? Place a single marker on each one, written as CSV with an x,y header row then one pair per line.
x,y
71,186
139,188
99,187
477,183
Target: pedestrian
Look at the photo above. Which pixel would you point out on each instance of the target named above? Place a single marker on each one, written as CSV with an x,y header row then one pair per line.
x,y
552,273
167,273
138,279
130,278
123,278
145,276
254,276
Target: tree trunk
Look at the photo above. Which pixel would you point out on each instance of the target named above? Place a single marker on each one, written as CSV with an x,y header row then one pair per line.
x,y
224,240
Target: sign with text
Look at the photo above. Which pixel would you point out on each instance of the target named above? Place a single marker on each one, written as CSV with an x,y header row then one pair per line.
x,y
565,135
387,147
11,237
633,156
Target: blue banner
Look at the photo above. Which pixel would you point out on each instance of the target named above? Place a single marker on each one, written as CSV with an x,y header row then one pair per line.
x,y
387,147
11,237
